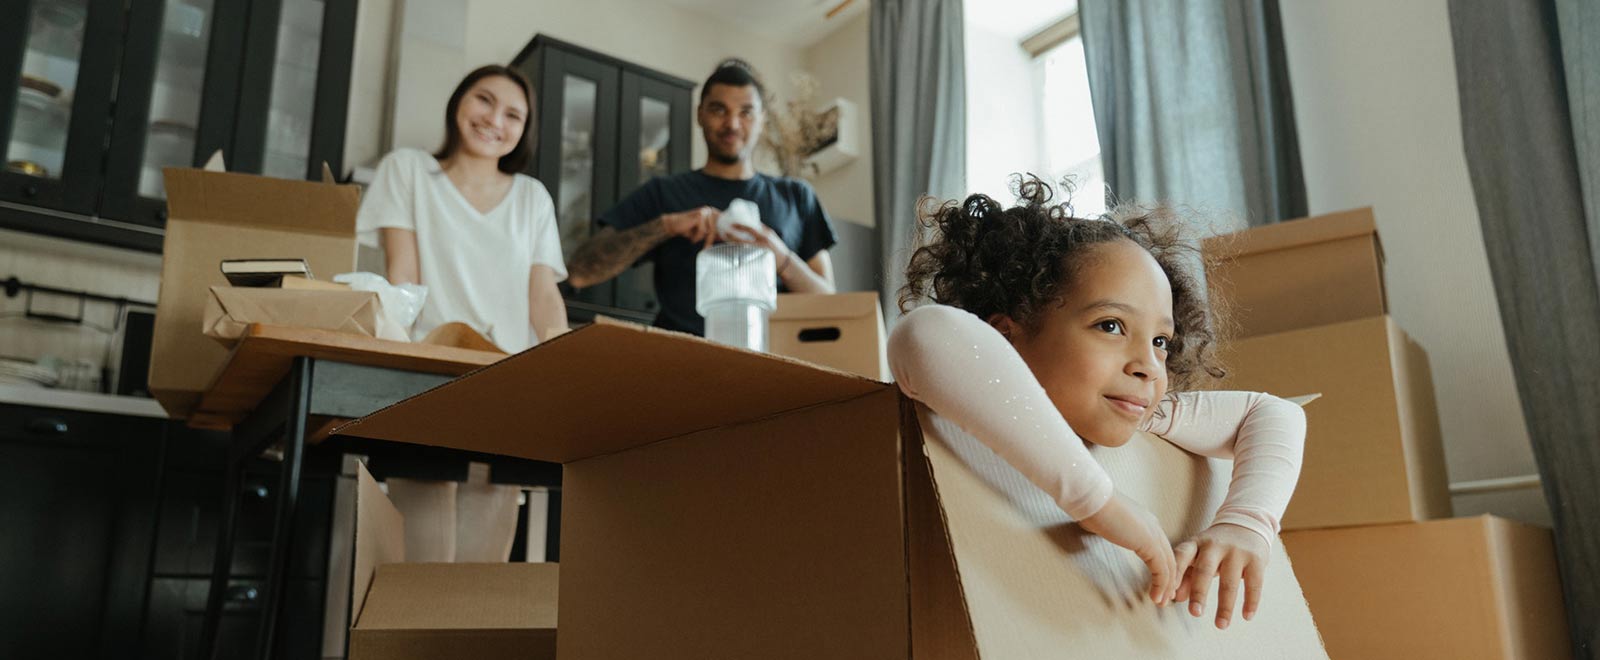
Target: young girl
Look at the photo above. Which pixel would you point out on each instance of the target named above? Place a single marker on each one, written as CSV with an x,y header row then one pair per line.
x,y
482,237
1050,331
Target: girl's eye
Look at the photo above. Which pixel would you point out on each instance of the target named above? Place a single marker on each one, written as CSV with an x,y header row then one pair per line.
x,y
1163,343
1110,326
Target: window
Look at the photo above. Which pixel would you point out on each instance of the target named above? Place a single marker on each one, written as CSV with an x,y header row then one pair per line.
x,y
1070,144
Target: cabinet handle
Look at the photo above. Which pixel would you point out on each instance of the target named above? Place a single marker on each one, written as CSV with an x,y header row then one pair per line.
x,y
48,426
256,490
243,594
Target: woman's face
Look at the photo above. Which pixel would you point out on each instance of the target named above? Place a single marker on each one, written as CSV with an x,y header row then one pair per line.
x,y
1101,354
491,118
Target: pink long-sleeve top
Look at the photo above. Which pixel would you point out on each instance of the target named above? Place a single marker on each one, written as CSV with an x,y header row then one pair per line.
x,y
966,372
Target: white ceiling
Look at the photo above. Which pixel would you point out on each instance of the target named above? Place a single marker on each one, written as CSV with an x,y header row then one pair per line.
x,y
1017,19
795,22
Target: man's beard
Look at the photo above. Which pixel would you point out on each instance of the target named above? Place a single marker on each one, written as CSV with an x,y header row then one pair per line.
x,y
727,159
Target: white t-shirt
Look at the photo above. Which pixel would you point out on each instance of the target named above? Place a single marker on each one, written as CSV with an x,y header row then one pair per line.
x,y
474,264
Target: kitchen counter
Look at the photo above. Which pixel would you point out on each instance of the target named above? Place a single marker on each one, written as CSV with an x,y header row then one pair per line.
x,y
111,404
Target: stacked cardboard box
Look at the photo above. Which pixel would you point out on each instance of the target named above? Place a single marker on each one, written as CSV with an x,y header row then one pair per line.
x,y
1308,313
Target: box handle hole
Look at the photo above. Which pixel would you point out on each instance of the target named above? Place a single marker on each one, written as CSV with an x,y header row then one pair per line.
x,y
810,335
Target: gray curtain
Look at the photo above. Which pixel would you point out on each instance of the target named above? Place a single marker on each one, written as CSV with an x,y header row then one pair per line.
x,y
919,119
1530,177
1192,104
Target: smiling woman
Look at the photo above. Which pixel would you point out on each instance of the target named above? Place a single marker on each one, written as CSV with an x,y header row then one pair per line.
x,y
482,236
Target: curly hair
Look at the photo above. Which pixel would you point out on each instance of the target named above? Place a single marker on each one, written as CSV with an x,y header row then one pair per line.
x,y
1020,261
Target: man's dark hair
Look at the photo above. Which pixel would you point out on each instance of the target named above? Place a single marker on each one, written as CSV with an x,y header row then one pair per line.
x,y
734,72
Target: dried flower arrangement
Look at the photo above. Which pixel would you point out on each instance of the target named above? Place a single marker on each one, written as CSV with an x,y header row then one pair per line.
x,y
797,129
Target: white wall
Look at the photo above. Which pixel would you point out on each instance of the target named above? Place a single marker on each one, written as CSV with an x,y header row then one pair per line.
x,y
839,64
1003,129
1376,103
672,40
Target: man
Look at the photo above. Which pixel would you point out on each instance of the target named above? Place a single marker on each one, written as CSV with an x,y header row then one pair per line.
x,y
670,219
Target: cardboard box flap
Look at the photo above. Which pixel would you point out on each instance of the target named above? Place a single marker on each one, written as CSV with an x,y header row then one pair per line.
x,y
245,199
511,596
605,388
1315,229
824,306
1035,583
380,537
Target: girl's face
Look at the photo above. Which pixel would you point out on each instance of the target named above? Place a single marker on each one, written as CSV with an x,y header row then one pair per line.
x,y
491,118
1101,354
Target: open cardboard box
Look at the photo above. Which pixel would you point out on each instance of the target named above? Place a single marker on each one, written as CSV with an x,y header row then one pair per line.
x,y
215,215
401,610
1373,448
1464,588
720,503
1299,274
840,330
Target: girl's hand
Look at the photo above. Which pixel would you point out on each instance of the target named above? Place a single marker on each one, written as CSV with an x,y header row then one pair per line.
x,y
1229,553
1129,525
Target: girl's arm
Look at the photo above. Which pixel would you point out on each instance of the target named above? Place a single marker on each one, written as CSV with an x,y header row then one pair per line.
x,y
546,311
968,373
400,260
1263,434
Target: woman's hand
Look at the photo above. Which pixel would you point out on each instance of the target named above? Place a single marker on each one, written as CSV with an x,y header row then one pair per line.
x,y
1229,553
1129,525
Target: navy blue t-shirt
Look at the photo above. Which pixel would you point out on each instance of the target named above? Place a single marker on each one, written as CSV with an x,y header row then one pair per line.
x,y
787,205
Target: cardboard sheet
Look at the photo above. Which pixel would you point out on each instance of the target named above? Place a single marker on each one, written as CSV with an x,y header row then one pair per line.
x,y
1037,586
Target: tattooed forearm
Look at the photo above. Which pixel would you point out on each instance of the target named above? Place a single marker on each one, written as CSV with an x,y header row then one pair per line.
x,y
610,252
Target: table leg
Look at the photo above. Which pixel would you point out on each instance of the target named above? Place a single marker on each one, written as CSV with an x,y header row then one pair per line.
x,y
294,438
222,561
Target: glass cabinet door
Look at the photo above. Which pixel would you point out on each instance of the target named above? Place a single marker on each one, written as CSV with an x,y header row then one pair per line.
x,y
655,117
54,96
169,111
294,90
577,134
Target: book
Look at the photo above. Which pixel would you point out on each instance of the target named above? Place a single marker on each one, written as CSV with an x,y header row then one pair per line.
x,y
263,272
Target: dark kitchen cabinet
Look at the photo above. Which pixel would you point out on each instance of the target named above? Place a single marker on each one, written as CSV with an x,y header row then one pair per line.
x,y
97,96
78,500
110,524
605,126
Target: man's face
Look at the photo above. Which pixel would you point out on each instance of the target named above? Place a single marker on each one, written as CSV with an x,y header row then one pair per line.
x,y
730,118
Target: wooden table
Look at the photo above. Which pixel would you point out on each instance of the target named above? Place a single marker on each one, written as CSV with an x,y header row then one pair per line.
x,y
265,354
275,382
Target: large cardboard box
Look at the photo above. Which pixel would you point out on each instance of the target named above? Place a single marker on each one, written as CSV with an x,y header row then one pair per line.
x,y
217,215
1373,451
1299,274
721,503
1463,589
842,330
401,611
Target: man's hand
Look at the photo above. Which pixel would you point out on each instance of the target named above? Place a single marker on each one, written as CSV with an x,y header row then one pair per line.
x,y
764,238
1229,553
698,225
1125,523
